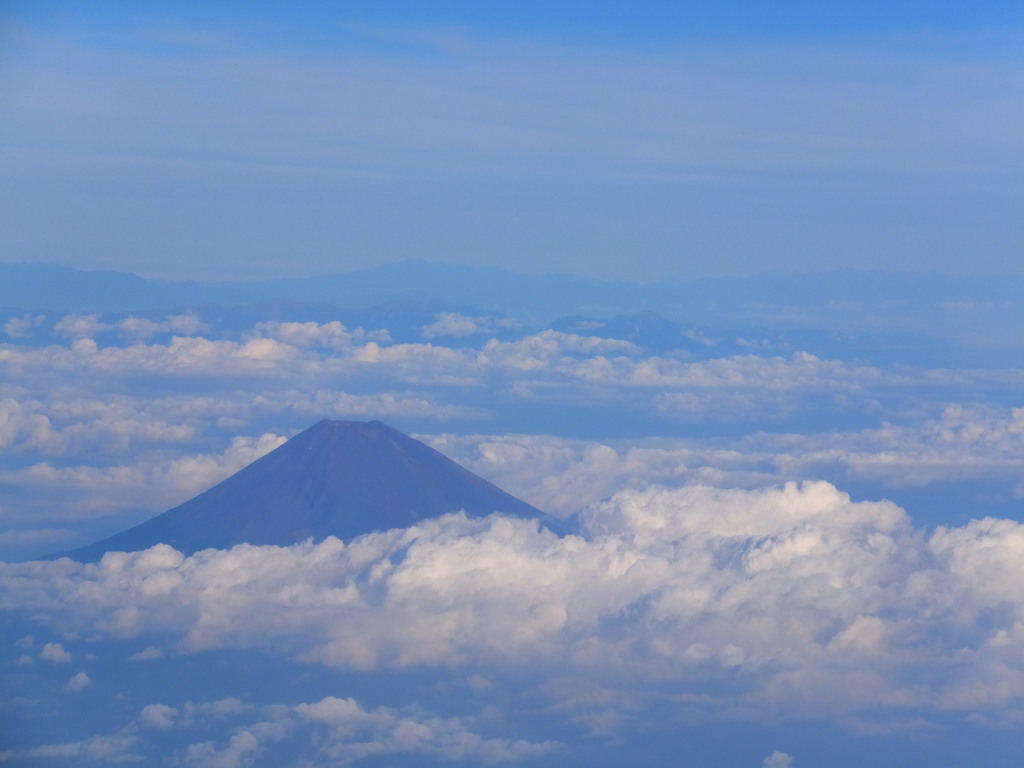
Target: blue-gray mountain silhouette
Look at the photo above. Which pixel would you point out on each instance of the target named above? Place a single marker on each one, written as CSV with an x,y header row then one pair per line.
x,y
337,478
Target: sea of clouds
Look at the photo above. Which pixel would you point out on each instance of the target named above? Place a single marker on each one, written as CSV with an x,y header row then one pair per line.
x,y
698,603
719,572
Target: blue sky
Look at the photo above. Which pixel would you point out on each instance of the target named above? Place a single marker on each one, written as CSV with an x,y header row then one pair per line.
x,y
634,24
628,141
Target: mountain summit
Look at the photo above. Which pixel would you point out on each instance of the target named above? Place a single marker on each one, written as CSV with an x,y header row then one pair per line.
x,y
337,478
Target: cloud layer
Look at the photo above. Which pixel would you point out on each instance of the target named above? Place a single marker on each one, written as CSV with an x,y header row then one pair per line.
x,y
788,602
138,417
331,731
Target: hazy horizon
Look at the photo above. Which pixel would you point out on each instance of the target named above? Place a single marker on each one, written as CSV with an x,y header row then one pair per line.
x,y
539,271
655,142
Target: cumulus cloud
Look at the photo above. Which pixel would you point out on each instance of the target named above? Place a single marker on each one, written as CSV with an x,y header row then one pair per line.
x,y
158,716
24,326
244,747
103,749
960,443
74,455
55,652
79,682
352,732
330,731
149,484
142,328
778,760
147,654
62,426
620,364
337,404
690,572
456,324
298,351
86,398
805,602
80,326
19,424
332,335
183,356
559,353
453,324
562,475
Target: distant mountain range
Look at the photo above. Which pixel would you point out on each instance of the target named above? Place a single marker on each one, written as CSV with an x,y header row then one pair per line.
x,y
767,300
922,319
337,478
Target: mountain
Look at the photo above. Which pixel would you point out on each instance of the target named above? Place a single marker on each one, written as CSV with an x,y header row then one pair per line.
x,y
337,478
49,286
978,314
837,300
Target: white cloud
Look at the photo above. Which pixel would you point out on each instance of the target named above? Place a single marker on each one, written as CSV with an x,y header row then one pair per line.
x,y
243,748
793,590
299,354
19,424
414,363
353,733
88,490
147,654
58,424
616,363
80,326
332,335
158,716
80,425
562,475
331,731
55,652
804,600
79,682
24,326
142,328
104,749
778,760
456,324
337,404
554,351
959,443
59,393
183,356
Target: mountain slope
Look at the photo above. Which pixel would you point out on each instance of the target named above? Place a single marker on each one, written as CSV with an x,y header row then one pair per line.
x,y
337,478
